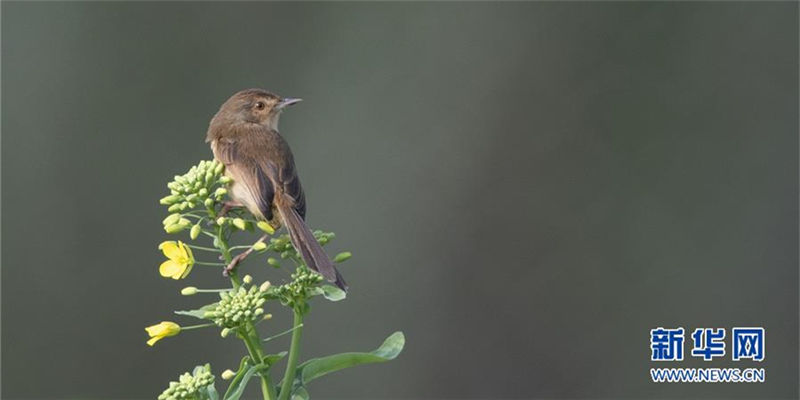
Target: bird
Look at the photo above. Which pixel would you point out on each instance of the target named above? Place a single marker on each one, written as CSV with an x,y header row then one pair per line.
x,y
244,136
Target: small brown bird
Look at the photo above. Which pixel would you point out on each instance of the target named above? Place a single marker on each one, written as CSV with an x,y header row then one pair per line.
x,y
244,136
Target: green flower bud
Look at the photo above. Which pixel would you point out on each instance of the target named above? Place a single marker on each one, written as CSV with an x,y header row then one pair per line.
x,y
171,219
239,223
238,307
189,385
221,220
264,287
174,228
225,180
220,192
267,316
209,202
247,279
275,263
266,227
228,374
218,168
189,290
259,246
174,207
185,222
225,332
203,192
344,256
195,232
171,199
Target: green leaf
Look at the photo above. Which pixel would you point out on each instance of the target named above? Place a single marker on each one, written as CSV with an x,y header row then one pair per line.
x,y
239,382
317,367
270,359
300,393
211,391
199,312
331,293
200,368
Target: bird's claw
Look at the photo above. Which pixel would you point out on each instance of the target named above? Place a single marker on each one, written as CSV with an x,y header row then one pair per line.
x,y
234,263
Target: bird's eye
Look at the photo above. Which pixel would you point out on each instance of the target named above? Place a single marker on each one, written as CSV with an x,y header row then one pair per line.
x,y
260,105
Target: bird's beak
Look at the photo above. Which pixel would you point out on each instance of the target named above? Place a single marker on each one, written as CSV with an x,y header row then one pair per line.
x,y
287,102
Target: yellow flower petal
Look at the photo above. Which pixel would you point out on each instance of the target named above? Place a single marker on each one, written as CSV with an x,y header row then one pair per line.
x,y
170,249
186,270
162,330
187,252
171,269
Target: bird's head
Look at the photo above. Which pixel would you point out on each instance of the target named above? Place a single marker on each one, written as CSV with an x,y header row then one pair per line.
x,y
253,106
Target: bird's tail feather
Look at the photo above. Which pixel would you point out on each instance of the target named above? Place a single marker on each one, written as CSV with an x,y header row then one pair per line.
x,y
310,250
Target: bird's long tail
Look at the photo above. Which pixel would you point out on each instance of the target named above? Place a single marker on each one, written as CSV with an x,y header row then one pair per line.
x,y
308,247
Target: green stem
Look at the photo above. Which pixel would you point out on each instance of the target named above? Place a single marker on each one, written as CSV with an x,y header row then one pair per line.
x,y
210,264
282,333
202,248
250,335
256,354
186,328
267,389
294,353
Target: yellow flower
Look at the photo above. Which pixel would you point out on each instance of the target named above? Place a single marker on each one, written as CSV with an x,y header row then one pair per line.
x,y
180,260
162,330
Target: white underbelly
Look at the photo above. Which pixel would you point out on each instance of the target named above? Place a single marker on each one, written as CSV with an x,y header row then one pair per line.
x,y
241,194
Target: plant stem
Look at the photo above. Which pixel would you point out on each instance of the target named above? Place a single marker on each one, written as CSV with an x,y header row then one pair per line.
x,y
186,328
257,355
250,335
294,353
282,333
210,264
202,248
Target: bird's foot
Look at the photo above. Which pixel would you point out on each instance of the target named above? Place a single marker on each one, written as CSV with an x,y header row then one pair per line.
x,y
239,258
235,262
226,206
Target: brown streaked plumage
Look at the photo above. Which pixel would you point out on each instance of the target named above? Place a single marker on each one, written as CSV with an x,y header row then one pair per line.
x,y
244,136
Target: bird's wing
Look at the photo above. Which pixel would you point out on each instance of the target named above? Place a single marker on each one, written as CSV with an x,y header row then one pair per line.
x,y
248,172
290,185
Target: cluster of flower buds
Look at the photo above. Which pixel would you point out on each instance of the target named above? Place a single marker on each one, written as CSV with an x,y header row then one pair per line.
x,y
190,386
302,280
283,245
202,185
236,307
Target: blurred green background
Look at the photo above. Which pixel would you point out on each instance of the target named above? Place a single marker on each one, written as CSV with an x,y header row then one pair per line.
x,y
528,188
